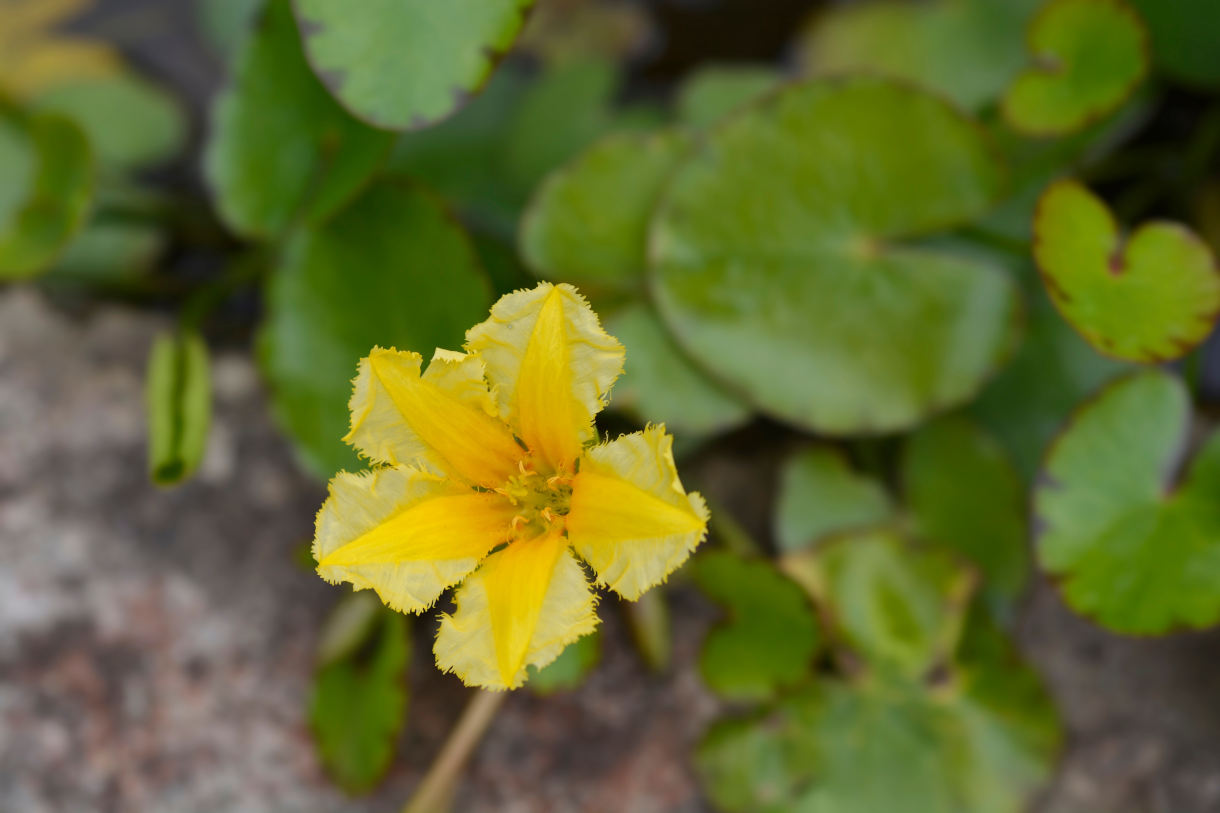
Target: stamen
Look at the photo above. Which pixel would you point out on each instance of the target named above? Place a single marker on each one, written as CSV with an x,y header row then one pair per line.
x,y
518,522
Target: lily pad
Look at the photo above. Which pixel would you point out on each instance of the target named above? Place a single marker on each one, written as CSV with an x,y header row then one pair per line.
x,y
1184,35
659,383
1151,297
770,636
47,173
392,269
711,93
130,122
588,222
280,148
1089,55
405,64
1133,542
782,259
897,607
963,492
967,50
821,496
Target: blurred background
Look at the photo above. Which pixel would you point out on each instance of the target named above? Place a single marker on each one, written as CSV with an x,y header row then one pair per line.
x,y
164,643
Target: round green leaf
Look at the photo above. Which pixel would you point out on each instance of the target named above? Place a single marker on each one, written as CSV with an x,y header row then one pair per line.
x,y
588,222
962,491
46,171
781,263
897,607
280,148
108,253
1089,55
392,269
965,49
820,495
770,636
402,64
130,122
1150,297
711,93
1184,36
659,384
1128,546
983,743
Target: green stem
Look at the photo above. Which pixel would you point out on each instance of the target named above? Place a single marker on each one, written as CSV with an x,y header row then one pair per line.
x,y
435,791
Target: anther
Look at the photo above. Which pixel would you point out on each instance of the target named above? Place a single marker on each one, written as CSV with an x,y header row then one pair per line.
x,y
518,522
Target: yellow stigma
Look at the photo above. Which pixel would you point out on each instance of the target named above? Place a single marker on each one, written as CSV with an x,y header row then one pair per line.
x,y
541,501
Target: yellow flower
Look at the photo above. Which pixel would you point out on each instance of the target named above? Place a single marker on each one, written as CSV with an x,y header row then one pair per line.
x,y
492,476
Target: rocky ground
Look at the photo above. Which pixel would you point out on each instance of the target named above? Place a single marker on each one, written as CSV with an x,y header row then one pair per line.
x,y
155,646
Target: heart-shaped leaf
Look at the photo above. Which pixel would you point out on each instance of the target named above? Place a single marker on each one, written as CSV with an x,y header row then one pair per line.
x,y
404,64
981,739
1184,36
46,187
780,260
280,148
962,492
1150,297
964,49
770,636
392,269
1089,55
820,496
1129,547
898,608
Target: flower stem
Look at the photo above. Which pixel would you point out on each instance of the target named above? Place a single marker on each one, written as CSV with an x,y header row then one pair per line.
x,y
435,791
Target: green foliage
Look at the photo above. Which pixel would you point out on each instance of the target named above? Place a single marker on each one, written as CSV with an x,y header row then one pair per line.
x,y
448,50
1184,35
1150,297
711,93
1128,546
963,493
359,704
820,496
784,245
929,43
281,149
770,635
1088,57
391,269
570,669
47,174
178,397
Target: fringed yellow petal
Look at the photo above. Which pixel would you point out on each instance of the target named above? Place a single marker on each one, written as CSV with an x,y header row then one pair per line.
x,y
406,534
630,518
521,608
552,365
442,420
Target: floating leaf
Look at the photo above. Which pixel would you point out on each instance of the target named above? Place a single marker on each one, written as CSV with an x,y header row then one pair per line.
x,y
962,491
46,172
178,396
1128,546
888,744
659,384
1184,35
711,93
570,669
108,253
225,24
770,636
1089,55
820,495
897,607
402,64
1151,297
280,148
130,122
965,49
565,30
359,705
781,246
391,269
588,222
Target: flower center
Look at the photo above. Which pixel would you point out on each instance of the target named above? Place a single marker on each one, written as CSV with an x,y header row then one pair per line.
x,y
542,501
